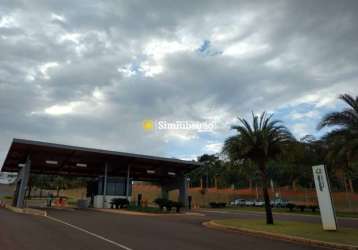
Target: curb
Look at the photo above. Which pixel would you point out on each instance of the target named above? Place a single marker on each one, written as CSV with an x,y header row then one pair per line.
x,y
194,214
26,210
295,239
135,213
117,211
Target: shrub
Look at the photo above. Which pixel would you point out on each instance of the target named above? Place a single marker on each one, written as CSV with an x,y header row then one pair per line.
x,y
217,204
302,207
119,202
313,208
168,204
161,202
291,206
178,205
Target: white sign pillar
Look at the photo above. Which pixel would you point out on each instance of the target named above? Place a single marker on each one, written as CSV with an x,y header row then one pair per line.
x,y
328,216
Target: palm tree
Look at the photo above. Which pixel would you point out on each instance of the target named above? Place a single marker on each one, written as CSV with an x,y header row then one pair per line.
x,y
343,140
259,142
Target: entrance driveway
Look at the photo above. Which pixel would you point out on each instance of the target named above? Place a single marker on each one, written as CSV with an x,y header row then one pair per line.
x,y
86,229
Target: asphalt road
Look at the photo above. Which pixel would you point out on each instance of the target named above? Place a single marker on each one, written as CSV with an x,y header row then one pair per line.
x,y
84,229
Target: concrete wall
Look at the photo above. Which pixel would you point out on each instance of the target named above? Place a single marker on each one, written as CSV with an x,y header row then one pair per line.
x,y
6,190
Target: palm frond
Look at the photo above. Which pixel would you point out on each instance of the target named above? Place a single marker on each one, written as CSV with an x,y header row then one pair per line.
x,y
347,118
260,139
353,103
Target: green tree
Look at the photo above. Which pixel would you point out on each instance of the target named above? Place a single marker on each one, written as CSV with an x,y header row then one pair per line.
x,y
295,166
211,169
259,142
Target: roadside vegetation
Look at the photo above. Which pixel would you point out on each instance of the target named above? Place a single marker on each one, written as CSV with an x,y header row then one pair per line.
x,y
263,154
287,211
305,230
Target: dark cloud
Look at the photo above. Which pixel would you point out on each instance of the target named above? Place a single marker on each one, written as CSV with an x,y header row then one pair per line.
x,y
88,73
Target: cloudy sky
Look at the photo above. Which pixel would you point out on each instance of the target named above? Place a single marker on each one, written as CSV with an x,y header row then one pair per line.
x,y
88,73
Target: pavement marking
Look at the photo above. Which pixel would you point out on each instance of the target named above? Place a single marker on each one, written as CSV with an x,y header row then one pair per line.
x,y
90,233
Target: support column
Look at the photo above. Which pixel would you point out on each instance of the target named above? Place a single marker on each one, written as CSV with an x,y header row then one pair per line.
x,y
183,191
127,182
164,192
24,179
105,185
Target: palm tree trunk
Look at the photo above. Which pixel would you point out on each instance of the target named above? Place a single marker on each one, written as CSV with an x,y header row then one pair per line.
x,y
346,183
29,192
250,184
346,192
350,183
269,217
294,184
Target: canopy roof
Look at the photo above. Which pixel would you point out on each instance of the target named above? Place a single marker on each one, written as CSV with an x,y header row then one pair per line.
x,y
57,159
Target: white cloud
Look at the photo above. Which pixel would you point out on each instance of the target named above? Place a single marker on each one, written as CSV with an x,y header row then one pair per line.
x,y
214,147
327,96
300,129
151,69
188,157
61,109
57,17
92,106
308,114
73,37
98,94
234,26
8,21
249,47
127,70
46,67
157,49
179,135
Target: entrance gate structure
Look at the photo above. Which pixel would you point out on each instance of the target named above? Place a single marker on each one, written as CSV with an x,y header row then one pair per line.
x,y
34,157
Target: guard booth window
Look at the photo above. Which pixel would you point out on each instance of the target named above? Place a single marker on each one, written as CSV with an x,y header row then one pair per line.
x,y
115,186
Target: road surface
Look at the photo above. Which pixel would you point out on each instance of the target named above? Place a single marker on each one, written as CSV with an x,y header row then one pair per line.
x,y
86,229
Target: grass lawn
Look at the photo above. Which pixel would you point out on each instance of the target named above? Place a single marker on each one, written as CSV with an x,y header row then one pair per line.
x,y
300,229
145,209
151,210
286,210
